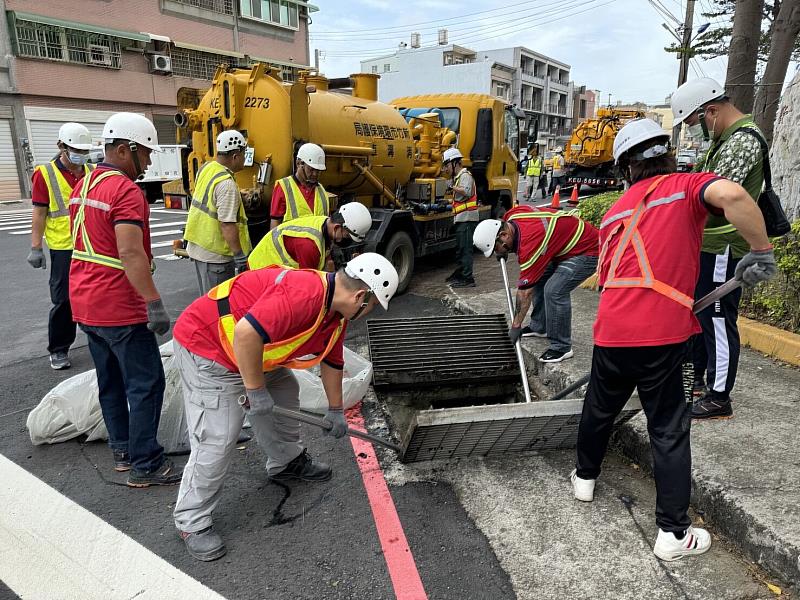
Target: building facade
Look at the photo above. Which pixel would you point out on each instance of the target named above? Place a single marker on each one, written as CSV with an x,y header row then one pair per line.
x,y
61,64
584,105
537,84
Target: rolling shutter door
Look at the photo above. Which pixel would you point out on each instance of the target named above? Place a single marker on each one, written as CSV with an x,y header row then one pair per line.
x,y
9,177
44,136
165,127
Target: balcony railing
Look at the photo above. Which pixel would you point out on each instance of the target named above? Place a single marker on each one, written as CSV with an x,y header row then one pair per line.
x,y
556,109
532,105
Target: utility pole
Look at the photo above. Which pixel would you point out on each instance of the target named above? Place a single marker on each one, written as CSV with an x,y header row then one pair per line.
x,y
316,59
686,54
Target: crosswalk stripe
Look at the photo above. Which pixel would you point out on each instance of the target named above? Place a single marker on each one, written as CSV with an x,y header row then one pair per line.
x,y
19,232
162,233
161,244
168,224
12,227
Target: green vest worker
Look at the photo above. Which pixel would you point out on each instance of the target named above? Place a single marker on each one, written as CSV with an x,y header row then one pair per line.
x,y
301,194
51,187
303,243
216,229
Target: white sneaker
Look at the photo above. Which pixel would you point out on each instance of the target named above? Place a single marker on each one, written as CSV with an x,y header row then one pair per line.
x,y
583,488
668,547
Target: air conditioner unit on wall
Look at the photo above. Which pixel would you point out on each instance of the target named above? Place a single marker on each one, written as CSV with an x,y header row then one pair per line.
x,y
160,63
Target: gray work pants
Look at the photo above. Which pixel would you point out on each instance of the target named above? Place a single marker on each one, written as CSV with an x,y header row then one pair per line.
x,y
552,305
210,275
214,417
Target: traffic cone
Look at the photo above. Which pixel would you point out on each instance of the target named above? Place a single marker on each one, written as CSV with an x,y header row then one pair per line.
x,y
573,199
556,201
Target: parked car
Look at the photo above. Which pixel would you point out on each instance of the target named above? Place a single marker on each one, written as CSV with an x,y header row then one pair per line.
x,y
686,160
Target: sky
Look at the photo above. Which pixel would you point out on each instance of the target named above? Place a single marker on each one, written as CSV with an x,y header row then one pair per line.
x,y
615,46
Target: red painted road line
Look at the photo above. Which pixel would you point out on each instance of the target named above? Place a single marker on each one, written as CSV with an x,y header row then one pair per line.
x,y
399,560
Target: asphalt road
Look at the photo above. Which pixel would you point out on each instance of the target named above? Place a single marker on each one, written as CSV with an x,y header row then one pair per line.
x,y
291,542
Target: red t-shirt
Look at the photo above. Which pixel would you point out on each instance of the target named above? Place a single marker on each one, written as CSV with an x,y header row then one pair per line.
x,y
672,233
39,194
101,295
303,250
277,311
531,234
278,207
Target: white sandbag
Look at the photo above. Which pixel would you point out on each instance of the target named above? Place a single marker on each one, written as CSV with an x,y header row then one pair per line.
x,y
357,377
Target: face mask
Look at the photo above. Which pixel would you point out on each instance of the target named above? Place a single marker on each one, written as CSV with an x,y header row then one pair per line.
x,y
696,130
78,159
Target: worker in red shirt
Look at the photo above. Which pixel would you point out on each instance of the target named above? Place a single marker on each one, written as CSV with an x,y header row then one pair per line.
x,y
234,349
649,263
115,301
557,251
304,243
300,194
52,185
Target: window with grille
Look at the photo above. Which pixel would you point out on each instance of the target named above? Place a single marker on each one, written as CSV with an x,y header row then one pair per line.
x,y
276,12
37,40
224,7
197,64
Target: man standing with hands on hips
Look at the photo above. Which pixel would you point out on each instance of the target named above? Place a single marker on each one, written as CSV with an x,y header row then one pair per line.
x,y
216,233
115,301
51,188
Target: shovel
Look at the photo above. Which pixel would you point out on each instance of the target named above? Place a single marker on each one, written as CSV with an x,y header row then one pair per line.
x,y
704,302
518,345
310,419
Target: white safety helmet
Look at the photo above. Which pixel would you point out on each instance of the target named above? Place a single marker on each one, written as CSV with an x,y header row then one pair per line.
x,y
451,154
131,127
692,95
634,133
485,235
559,150
75,136
357,220
313,156
378,273
231,140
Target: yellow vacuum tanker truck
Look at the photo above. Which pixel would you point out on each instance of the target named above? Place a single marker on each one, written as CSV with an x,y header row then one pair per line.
x,y
388,157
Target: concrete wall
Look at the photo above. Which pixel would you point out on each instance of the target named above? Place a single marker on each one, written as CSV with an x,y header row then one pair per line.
x,y
785,160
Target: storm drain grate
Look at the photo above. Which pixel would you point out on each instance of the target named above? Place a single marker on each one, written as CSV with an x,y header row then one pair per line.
x,y
441,351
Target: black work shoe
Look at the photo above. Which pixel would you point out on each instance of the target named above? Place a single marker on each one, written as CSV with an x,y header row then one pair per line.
x,y
528,332
166,474
553,356
59,360
205,545
709,407
454,276
699,390
463,283
122,461
304,469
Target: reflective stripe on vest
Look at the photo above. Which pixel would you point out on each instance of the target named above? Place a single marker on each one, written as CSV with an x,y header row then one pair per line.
x,y
88,254
549,229
271,250
57,231
470,203
275,354
628,221
534,167
296,205
719,230
202,223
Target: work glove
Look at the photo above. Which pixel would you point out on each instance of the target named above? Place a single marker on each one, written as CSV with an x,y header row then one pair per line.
x,y
157,317
36,259
756,266
335,418
257,402
240,262
515,333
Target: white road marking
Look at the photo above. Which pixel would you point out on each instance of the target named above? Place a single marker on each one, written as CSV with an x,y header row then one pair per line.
x,y
50,547
167,257
170,224
12,227
161,244
163,233
19,232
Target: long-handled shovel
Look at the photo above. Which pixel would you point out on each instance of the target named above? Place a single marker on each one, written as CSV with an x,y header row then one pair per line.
x,y
310,419
518,345
704,302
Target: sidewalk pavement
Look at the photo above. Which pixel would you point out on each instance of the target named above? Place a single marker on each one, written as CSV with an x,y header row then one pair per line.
x,y
746,470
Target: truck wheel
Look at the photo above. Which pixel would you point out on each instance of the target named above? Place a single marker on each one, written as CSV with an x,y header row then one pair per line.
x,y
400,252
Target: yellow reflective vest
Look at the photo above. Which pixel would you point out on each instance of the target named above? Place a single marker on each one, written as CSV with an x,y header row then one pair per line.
x,y
296,205
549,221
87,253
56,225
202,224
534,167
271,250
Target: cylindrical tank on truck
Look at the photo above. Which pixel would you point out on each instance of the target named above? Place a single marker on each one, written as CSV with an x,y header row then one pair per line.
x,y
374,155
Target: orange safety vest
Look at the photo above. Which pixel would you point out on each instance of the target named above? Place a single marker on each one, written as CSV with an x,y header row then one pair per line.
x,y
276,354
629,222
470,203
